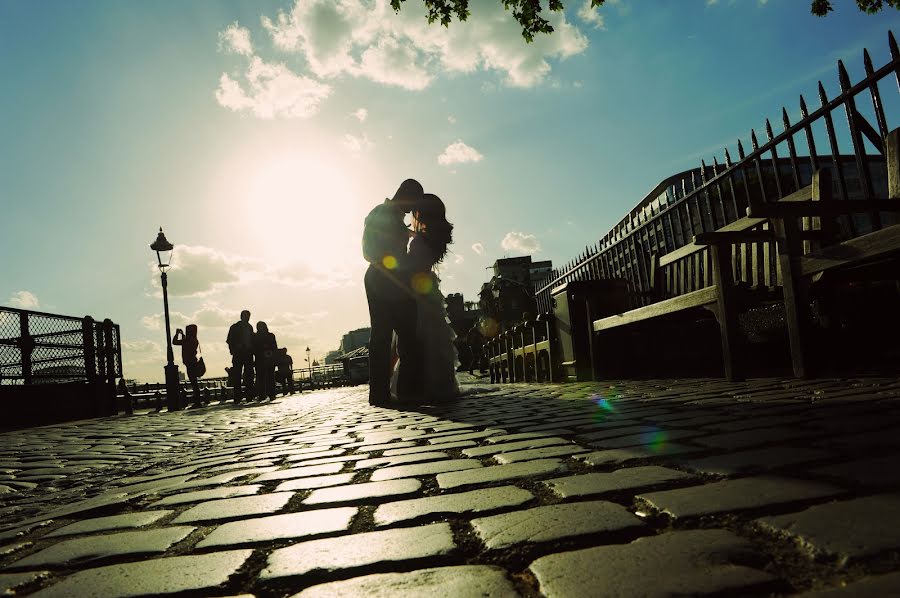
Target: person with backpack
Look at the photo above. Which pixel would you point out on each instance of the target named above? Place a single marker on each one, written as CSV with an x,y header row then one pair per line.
x,y
196,368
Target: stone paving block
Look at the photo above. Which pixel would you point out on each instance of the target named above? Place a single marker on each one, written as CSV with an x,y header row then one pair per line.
x,y
408,471
90,548
452,437
553,522
195,573
226,508
474,501
499,473
224,478
278,527
748,438
238,464
684,563
11,582
371,448
315,455
362,492
300,472
629,478
540,453
316,482
618,431
201,495
654,437
443,582
507,447
736,495
359,550
424,449
876,472
401,459
623,455
758,459
846,530
327,460
868,587
102,524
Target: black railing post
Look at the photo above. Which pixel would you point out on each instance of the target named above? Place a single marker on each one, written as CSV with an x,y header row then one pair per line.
x,y
109,376
26,346
90,355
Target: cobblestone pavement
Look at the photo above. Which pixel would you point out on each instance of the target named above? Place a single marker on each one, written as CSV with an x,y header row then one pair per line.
x,y
638,488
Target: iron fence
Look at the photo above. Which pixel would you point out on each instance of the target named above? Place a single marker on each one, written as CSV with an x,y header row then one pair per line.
x,y
711,196
42,348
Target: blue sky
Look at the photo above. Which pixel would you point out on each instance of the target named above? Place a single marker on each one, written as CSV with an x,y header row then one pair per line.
x,y
259,142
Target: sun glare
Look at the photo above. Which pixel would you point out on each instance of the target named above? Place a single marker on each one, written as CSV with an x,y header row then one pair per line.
x,y
302,208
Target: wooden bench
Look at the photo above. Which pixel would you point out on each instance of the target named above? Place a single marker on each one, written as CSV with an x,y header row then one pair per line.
x,y
693,277
774,253
850,259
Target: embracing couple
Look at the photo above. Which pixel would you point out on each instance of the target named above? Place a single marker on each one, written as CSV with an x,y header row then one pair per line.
x,y
412,357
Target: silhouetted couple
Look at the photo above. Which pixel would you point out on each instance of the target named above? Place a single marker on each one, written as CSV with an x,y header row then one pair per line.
x,y
252,350
411,352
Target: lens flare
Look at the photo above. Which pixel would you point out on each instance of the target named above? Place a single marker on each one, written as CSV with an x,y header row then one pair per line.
x,y
605,402
422,283
654,441
389,262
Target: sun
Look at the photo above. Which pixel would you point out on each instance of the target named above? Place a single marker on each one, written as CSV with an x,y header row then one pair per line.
x,y
303,208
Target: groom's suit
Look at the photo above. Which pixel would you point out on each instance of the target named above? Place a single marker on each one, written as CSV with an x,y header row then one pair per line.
x,y
392,306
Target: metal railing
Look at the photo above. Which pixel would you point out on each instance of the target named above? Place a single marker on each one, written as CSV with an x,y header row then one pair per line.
x,y
42,348
709,197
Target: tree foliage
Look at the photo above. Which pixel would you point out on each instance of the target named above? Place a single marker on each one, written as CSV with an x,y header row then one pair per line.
x,y
528,13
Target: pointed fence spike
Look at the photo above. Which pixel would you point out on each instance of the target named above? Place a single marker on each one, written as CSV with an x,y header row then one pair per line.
x,y
843,77
768,129
822,97
803,111
727,158
867,62
893,44
740,150
785,119
753,140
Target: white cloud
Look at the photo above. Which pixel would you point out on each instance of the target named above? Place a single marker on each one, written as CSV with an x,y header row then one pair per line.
x,y
143,346
357,144
520,242
451,119
361,114
272,91
459,153
236,39
458,259
591,15
24,300
478,248
367,39
711,2
199,271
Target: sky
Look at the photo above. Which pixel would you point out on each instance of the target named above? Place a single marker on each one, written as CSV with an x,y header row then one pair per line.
x,y
259,134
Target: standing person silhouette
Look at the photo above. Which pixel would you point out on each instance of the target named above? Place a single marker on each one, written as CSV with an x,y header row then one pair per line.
x,y
392,305
264,347
190,344
240,344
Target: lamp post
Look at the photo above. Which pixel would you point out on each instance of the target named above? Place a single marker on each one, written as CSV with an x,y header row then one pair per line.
x,y
163,250
309,365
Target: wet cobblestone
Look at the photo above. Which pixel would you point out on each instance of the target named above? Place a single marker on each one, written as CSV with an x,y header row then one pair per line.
x,y
763,488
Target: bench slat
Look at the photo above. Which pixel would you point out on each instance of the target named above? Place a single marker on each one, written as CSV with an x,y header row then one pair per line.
x,y
694,299
867,246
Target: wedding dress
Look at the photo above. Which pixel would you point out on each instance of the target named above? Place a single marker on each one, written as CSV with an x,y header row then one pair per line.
x,y
433,330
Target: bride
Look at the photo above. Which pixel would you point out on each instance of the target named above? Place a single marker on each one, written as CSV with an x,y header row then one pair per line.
x,y
430,236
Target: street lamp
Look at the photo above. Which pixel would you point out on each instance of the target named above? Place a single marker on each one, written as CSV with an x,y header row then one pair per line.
x,y
163,250
309,365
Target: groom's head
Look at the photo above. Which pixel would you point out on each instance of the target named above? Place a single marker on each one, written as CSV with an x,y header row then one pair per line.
x,y
408,195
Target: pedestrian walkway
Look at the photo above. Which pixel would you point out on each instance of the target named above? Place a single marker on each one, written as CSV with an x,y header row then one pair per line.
x,y
635,488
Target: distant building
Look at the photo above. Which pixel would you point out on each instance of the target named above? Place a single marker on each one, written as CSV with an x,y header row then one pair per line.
x,y
355,339
508,297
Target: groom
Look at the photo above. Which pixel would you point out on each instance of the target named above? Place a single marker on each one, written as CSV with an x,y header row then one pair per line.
x,y
392,305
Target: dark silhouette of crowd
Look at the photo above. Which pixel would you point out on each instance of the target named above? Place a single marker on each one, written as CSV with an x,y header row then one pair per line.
x,y
255,356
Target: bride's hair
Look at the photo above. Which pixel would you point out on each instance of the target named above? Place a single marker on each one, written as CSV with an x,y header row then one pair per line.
x,y
438,232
